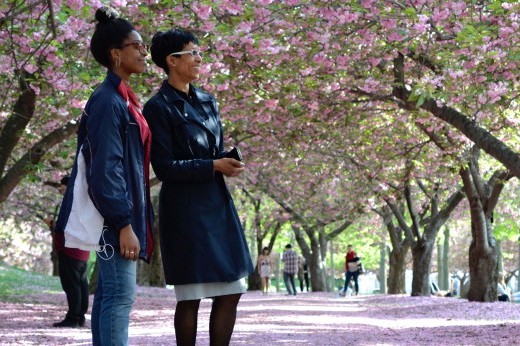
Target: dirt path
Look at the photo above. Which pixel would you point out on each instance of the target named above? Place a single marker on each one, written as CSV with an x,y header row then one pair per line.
x,y
307,319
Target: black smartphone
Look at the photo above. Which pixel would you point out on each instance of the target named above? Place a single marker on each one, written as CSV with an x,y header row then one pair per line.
x,y
235,154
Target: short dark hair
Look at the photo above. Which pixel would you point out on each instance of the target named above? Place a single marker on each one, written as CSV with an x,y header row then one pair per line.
x,y
288,246
65,180
171,41
110,33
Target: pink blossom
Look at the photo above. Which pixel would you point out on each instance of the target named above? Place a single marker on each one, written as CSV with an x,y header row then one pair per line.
x,y
458,7
224,86
367,3
203,11
371,85
30,68
374,61
481,79
271,104
118,3
440,15
314,106
306,71
208,26
80,104
75,4
36,89
496,90
421,28
319,58
234,8
394,36
244,27
505,32
388,23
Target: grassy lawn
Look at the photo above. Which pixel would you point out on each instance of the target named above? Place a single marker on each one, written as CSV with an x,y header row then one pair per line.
x,y
15,283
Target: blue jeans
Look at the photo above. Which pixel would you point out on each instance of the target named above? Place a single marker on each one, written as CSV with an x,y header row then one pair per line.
x,y
113,301
349,276
288,279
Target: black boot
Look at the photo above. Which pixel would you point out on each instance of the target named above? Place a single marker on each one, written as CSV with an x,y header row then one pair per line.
x,y
66,323
81,322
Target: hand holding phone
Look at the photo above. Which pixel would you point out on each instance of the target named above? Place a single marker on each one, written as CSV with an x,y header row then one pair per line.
x,y
235,154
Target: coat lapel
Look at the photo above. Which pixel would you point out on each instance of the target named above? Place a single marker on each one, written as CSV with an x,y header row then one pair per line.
x,y
189,113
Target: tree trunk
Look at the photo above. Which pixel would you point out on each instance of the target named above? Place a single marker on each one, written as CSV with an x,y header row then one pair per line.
x,y
440,267
483,270
397,270
500,258
382,268
483,251
422,254
152,274
518,268
445,255
483,275
313,256
317,269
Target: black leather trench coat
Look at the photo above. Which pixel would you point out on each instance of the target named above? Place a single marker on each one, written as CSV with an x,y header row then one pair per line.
x,y
201,236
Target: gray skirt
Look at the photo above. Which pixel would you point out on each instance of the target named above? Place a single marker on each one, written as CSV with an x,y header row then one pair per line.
x,y
209,290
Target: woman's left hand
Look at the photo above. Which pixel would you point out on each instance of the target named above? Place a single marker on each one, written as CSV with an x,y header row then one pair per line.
x,y
128,243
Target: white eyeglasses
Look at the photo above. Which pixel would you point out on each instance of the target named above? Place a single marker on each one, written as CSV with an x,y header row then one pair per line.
x,y
192,52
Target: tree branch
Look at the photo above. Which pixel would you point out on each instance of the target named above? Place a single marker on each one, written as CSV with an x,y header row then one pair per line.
x,y
33,156
23,112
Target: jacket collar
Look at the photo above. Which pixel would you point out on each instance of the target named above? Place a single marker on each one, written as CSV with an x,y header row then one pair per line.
x,y
113,78
171,96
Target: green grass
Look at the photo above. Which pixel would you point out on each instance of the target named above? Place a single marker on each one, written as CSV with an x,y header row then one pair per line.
x,y
15,282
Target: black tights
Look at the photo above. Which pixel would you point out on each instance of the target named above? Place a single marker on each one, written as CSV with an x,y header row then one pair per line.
x,y
221,321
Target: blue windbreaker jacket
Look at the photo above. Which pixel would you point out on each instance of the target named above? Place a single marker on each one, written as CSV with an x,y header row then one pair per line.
x,y
107,187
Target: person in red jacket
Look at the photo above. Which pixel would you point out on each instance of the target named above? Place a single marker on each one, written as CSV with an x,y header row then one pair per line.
x,y
352,269
72,264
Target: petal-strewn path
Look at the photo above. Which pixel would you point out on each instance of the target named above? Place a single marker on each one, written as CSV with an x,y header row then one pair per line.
x,y
277,319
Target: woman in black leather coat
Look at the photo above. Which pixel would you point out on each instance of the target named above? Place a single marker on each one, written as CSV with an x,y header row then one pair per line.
x,y
203,247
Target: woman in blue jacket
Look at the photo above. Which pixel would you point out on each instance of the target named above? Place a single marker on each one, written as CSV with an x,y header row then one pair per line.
x,y
203,247
107,205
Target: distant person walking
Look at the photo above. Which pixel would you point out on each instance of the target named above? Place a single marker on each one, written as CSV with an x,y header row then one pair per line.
x,y
352,269
265,266
303,273
503,292
290,260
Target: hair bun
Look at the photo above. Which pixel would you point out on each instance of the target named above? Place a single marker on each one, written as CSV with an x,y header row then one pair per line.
x,y
106,14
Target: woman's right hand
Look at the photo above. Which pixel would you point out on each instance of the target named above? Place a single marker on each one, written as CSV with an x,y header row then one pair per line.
x,y
229,167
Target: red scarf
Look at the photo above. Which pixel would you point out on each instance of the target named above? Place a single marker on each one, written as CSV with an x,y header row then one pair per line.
x,y
135,110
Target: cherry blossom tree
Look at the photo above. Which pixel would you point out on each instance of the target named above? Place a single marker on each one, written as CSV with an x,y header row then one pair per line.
x,y
303,88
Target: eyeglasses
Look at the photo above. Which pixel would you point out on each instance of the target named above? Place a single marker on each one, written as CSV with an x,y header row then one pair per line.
x,y
192,52
140,46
